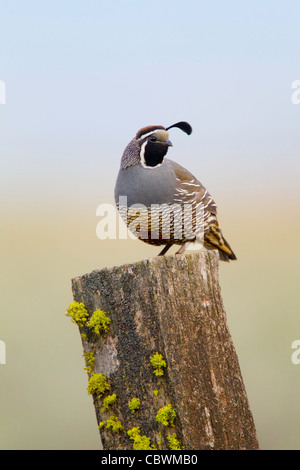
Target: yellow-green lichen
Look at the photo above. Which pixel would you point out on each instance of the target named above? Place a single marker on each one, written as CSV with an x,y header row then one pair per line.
x,y
99,322
78,313
114,423
101,424
158,363
166,415
140,442
98,385
155,392
90,362
174,443
108,401
134,404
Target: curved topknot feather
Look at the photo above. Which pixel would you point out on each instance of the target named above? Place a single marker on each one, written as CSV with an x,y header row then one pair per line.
x,y
183,125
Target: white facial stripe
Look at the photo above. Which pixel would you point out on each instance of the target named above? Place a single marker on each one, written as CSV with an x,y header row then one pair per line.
x,y
158,132
146,135
142,154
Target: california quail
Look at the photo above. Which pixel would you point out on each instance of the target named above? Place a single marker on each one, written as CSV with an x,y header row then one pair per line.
x,y
161,201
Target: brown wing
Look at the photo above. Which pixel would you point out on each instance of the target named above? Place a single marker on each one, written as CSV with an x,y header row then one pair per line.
x,y
190,190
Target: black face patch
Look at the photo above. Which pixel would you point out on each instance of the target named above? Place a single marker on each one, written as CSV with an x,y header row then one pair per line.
x,y
154,153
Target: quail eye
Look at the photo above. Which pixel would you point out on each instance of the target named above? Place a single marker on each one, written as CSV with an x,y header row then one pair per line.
x,y
153,138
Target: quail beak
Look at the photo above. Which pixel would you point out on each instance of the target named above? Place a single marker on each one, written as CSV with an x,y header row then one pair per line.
x,y
169,143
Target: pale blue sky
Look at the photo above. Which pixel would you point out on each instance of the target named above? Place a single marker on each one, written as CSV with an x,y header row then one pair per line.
x,y
83,77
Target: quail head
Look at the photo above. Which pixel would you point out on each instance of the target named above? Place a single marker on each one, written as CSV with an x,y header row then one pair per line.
x,y
161,202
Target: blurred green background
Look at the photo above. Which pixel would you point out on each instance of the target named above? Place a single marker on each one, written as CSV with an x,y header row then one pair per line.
x,y
81,78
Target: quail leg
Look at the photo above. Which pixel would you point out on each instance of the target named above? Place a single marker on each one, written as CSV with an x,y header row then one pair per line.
x,y
165,249
182,248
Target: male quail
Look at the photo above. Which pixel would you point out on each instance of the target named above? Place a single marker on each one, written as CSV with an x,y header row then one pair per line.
x,y
149,185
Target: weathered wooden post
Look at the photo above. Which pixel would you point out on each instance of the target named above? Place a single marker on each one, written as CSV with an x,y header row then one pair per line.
x,y
162,367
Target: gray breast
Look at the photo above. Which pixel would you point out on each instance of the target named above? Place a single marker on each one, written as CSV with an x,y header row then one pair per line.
x,y
145,185
162,212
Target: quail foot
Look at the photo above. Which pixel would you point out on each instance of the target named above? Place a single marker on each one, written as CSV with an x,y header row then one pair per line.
x,y
161,202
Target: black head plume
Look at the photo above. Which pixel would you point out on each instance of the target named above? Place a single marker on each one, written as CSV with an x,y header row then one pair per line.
x,y
184,126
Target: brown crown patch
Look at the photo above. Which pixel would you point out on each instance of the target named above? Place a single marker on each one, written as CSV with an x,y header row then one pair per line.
x,y
146,130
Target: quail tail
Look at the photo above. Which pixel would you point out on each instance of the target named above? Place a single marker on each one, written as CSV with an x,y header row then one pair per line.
x,y
213,239
225,252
